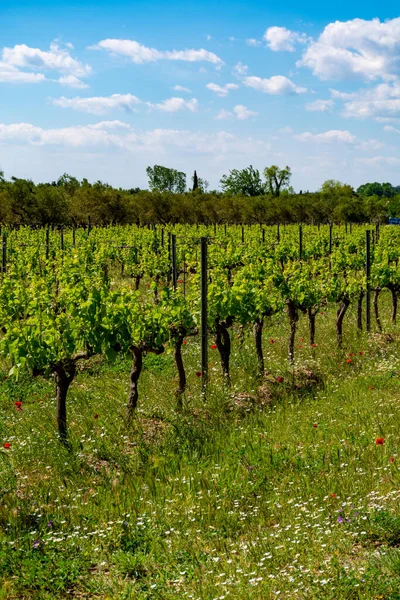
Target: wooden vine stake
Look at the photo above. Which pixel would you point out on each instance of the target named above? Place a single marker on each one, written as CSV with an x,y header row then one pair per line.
x,y
368,276
4,254
174,269
204,315
47,243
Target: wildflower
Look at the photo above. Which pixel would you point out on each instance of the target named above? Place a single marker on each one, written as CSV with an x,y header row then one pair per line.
x,y
180,281
361,352
380,441
333,495
340,519
184,342
351,354
199,373
36,544
272,341
371,387
279,379
7,445
315,425
95,416
213,346
301,339
50,524
322,312
300,347
313,345
18,405
348,360
391,459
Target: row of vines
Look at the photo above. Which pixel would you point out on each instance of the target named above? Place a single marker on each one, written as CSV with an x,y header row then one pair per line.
x,y
68,296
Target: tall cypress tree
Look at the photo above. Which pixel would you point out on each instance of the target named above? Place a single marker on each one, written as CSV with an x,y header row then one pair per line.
x,y
195,182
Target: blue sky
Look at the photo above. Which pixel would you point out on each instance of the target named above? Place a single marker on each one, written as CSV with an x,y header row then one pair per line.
x,y
101,90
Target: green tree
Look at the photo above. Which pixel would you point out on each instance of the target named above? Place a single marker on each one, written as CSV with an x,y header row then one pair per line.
x,y
243,182
333,187
383,190
163,179
277,179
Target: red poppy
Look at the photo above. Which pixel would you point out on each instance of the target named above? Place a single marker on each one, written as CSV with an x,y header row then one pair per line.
x,y
361,353
301,339
184,342
351,354
214,347
18,405
391,459
7,445
313,345
348,361
333,495
371,387
95,416
180,281
272,341
315,425
322,312
380,441
300,347
280,379
199,374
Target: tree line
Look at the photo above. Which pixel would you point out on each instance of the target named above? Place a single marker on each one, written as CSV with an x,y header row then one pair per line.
x,y
245,197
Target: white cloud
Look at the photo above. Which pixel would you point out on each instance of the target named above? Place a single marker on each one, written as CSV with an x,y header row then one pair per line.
x,y
140,54
286,130
9,74
240,69
391,129
243,113
108,134
172,105
370,145
239,112
320,105
276,85
59,59
334,135
111,125
282,39
224,115
87,135
378,102
222,90
387,120
99,105
380,161
72,81
357,48
342,95
180,88
253,42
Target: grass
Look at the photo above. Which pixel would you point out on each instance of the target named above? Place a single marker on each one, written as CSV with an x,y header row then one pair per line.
x,y
254,494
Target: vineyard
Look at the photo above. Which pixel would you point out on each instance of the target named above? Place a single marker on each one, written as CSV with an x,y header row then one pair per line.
x,y
225,414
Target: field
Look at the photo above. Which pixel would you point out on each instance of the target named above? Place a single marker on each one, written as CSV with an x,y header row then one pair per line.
x,y
282,484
